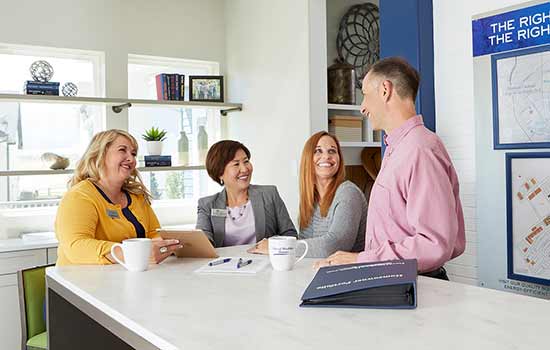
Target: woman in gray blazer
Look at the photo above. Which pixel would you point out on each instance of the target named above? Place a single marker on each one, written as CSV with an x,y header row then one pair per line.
x,y
241,213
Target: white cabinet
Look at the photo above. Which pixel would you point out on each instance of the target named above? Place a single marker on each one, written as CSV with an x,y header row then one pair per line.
x,y
52,255
11,262
10,320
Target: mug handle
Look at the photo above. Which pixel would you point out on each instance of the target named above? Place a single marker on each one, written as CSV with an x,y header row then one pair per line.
x,y
303,255
114,255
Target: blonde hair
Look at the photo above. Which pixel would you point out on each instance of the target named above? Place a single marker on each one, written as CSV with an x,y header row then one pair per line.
x,y
309,195
92,164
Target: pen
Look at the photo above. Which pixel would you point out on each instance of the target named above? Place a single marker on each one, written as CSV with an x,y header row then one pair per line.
x,y
218,262
242,263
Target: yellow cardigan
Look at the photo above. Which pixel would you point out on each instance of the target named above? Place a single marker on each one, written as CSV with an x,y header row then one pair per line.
x,y
86,226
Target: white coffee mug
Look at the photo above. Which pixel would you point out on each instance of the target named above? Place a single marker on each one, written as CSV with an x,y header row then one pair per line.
x,y
282,252
136,252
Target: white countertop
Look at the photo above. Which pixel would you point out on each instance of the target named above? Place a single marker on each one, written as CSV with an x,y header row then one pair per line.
x,y
18,244
172,307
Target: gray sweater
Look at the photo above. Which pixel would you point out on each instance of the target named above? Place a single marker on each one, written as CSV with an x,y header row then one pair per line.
x,y
344,226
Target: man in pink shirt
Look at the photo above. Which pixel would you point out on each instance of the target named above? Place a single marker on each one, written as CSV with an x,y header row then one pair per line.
x,y
414,207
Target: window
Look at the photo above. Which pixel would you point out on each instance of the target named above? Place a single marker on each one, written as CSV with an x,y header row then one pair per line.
x,y
27,130
178,185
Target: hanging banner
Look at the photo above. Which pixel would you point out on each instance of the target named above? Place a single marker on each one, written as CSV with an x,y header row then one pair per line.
x,y
512,30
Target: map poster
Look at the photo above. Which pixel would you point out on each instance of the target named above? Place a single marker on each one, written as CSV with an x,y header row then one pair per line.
x,y
521,98
528,216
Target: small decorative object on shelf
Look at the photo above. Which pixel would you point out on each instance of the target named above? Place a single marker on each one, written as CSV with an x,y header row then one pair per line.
x,y
154,138
202,139
69,89
341,83
151,161
57,162
41,71
170,86
183,149
358,38
206,88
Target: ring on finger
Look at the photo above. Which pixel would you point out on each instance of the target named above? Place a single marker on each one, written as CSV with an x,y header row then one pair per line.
x,y
163,250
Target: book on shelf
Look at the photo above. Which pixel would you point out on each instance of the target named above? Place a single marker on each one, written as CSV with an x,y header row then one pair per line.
x,y
382,285
32,87
170,87
51,85
152,161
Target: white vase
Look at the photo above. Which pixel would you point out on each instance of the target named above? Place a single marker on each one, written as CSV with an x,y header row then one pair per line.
x,y
154,148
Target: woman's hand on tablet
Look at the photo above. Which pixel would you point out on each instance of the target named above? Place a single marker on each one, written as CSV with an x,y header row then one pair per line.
x,y
262,247
163,248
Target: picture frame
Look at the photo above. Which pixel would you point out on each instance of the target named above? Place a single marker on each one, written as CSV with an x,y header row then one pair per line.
x,y
206,88
528,216
519,109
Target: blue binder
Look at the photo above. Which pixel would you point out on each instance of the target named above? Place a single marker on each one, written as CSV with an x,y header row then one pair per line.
x,y
384,285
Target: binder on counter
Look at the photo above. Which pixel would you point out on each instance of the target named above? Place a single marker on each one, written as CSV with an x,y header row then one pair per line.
x,y
384,285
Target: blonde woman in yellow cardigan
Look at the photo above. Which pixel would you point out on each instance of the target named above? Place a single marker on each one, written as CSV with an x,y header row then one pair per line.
x,y
106,203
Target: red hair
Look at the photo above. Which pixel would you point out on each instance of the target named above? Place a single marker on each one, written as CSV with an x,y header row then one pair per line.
x,y
309,195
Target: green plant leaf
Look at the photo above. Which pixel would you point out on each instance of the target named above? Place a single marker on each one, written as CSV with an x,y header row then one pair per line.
x,y
154,134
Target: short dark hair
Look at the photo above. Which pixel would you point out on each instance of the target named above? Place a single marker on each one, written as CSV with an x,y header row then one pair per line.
x,y
220,154
403,76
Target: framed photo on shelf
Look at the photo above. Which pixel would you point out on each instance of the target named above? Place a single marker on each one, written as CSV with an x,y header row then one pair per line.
x,y
206,88
521,90
528,216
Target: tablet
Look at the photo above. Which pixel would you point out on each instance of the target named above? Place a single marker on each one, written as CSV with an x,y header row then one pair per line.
x,y
195,243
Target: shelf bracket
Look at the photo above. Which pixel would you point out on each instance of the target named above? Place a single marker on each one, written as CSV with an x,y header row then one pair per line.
x,y
225,111
119,108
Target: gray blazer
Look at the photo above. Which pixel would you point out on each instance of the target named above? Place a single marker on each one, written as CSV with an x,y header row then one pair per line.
x,y
270,214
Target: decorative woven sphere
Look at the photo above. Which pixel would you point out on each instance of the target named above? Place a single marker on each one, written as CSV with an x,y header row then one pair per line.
x,y
41,71
69,89
358,39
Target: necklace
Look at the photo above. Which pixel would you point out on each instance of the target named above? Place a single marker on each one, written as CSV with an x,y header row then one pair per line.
x,y
241,212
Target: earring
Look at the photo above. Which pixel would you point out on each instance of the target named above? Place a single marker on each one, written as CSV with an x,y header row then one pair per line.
x,y
221,181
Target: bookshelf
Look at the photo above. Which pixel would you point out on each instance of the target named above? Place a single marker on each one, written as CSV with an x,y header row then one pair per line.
x,y
115,103
70,171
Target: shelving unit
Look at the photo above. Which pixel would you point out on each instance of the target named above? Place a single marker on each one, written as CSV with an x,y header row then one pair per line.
x,y
368,137
116,103
343,107
70,171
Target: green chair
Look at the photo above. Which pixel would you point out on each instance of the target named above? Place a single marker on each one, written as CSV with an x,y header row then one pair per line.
x,y
32,295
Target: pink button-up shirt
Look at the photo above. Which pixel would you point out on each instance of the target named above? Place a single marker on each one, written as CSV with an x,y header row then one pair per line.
x,y
414,207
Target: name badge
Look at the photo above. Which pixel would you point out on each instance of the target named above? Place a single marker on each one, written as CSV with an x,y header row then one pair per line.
x,y
219,212
113,214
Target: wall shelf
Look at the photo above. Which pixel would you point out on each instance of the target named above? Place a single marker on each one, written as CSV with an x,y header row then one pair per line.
x,y
70,171
114,102
334,106
360,144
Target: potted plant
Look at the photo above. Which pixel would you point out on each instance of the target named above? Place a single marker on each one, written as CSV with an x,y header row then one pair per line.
x,y
154,138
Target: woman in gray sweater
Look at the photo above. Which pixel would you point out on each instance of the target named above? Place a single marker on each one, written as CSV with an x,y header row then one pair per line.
x,y
333,212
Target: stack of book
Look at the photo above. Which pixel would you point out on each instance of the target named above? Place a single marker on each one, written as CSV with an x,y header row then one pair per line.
x,y
151,161
348,128
170,86
41,88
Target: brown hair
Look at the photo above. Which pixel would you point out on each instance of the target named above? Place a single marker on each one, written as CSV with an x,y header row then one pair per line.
x,y
308,191
92,163
403,76
220,154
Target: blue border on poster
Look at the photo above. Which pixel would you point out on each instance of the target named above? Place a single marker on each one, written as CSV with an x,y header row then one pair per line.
x,y
494,78
509,218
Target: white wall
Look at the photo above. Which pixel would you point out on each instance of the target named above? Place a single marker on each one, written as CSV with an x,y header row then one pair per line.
x,y
455,109
268,69
170,28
